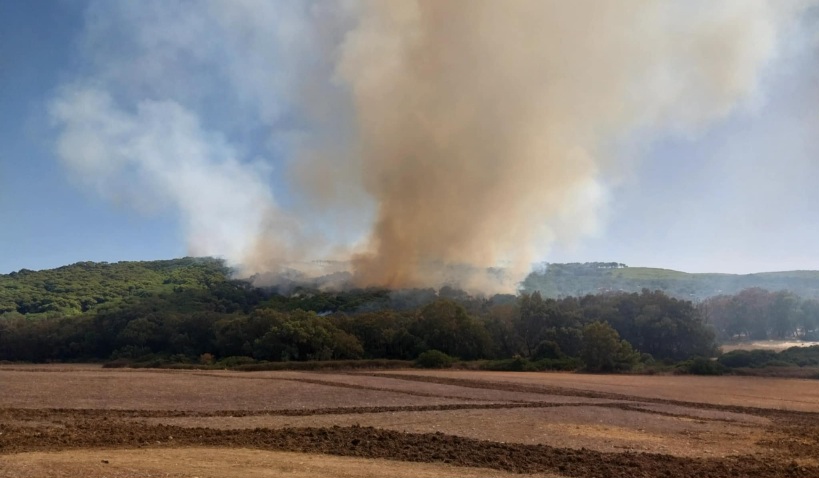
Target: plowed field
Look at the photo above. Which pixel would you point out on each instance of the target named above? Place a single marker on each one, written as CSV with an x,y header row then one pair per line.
x,y
86,421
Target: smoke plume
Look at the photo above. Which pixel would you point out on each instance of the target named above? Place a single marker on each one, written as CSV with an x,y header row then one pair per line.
x,y
413,138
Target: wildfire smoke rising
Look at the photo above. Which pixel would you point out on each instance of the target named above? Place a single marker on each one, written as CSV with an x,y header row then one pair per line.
x,y
428,132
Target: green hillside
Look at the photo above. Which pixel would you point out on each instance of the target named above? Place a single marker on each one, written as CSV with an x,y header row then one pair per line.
x,y
561,280
85,286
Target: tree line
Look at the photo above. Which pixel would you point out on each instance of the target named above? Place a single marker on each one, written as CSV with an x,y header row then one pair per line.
x,y
759,314
558,280
181,311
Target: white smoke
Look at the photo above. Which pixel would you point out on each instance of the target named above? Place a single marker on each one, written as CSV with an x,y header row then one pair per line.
x,y
159,156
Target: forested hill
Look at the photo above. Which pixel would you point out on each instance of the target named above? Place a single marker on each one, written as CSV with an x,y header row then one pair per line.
x,y
578,279
84,286
190,309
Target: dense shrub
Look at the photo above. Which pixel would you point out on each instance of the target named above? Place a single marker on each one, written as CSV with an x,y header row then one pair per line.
x,y
516,364
801,356
235,361
792,357
747,358
780,363
374,364
702,366
520,364
434,359
547,349
566,364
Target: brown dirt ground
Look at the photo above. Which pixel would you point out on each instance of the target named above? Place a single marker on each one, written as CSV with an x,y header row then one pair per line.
x,y
594,427
552,424
439,390
220,463
184,390
762,392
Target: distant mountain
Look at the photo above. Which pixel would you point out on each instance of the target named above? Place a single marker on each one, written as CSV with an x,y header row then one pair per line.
x,y
577,279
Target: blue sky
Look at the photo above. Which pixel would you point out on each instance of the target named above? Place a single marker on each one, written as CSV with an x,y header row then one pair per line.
x,y
212,136
48,221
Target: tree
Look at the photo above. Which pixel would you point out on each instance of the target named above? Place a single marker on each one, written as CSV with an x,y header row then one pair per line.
x,y
500,324
138,332
446,326
784,315
603,351
535,317
372,329
660,325
809,325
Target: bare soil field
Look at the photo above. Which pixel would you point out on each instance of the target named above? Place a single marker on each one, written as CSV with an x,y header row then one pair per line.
x,y
87,421
221,462
763,392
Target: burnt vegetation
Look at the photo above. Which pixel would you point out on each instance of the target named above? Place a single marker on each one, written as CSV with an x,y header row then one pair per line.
x,y
189,311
